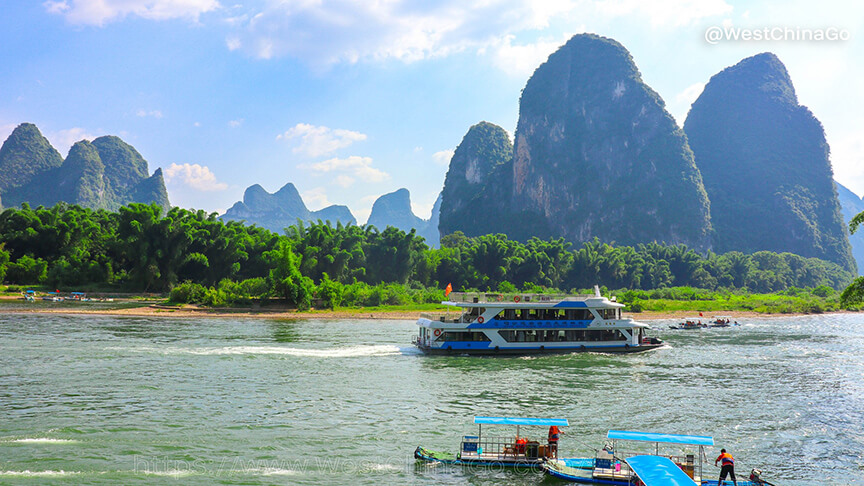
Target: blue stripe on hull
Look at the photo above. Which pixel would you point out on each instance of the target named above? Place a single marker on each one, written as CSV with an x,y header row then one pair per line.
x,y
590,480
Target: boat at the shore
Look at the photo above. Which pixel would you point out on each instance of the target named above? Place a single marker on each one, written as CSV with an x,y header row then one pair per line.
x,y
502,451
532,323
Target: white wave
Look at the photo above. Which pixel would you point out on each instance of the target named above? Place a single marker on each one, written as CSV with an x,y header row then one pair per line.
x,y
346,352
343,352
44,440
380,467
275,471
174,473
37,474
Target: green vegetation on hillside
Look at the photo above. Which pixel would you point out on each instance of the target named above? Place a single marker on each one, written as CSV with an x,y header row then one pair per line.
x,y
202,259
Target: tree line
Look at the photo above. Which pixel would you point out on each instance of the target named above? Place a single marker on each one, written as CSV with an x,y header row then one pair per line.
x,y
200,258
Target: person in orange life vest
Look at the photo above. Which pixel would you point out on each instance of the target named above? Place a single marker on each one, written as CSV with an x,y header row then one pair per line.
x,y
727,466
554,435
521,445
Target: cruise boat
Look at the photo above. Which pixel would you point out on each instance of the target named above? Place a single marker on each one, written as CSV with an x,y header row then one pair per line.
x,y
531,323
519,451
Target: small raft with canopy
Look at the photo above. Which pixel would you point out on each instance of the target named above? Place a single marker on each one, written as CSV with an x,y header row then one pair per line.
x,y
529,451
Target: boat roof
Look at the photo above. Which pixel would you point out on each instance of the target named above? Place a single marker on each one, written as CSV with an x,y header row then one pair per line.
x,y
665,438
77,293
658,471
521,421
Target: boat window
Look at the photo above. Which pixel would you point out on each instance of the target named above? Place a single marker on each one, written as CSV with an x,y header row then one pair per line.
x,y
463,336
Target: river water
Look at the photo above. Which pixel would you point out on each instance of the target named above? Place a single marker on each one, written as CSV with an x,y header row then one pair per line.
x,y
106,400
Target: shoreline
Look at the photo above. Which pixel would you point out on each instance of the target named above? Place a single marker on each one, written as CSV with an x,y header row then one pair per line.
x,y
187,311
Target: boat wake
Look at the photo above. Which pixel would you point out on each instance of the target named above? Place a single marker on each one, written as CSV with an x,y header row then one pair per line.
x,y
339,352
37,474
41,440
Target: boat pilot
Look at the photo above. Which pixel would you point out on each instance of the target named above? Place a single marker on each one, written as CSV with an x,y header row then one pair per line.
x,y
554,435
727,466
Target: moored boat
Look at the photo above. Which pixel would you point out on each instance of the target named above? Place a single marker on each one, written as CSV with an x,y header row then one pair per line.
x,y
518,451
532,323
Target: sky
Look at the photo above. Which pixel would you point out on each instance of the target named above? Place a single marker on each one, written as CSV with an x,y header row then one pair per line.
x,y
352,99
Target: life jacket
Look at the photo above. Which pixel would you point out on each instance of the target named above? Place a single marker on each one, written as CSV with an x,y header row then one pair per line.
x,y
554,433
726,459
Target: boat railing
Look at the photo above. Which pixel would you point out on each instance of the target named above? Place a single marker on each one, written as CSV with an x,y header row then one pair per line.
x,y
485,297
504,448
457,317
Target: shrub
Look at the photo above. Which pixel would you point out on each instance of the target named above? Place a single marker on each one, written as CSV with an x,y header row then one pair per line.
x,y
187,293
27,270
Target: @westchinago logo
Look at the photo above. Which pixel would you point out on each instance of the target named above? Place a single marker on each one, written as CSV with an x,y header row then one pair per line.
x,y
717,34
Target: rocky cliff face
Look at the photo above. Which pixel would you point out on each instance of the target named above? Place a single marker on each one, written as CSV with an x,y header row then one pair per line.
x,y
394,209
25,154
282,209
104,174
598,155
850,205
477,188
764,162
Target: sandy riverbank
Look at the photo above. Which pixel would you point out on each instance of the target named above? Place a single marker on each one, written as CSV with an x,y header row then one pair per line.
x,y
148,309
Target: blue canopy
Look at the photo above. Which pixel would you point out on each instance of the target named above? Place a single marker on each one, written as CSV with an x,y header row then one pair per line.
x,y
521,421
665,438
659,471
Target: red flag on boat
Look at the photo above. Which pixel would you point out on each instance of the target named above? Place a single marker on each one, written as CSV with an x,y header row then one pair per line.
x,y
447,290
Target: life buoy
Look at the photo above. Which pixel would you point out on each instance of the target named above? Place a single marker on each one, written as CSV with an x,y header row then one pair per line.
x,y
517,299
480,320
437,332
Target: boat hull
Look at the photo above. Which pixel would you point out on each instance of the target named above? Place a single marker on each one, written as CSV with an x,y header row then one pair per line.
x,y
543,350
426,455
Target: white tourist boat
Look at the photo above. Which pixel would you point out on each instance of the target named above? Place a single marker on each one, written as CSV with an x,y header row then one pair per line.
x,y
532,323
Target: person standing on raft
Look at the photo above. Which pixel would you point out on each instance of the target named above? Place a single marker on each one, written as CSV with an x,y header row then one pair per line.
x,y
727,466
554,435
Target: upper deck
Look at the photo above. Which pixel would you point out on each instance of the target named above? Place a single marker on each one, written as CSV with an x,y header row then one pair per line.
x,y
529,301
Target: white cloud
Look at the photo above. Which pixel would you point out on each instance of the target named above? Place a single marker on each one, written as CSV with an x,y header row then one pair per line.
x,y
235,123
442,157
683,100
347,171
63,140
144,113
350,31
195,176
316,198
99,12
233,43
664,13
847,159
522,60
317,141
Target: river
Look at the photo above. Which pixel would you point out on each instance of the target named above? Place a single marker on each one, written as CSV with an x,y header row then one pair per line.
x,y
107,400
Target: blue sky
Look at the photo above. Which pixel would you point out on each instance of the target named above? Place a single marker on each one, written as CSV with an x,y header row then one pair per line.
x,y
353,99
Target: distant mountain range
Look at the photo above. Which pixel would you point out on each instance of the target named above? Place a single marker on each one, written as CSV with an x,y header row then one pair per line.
x,y
103,174
596,155
285,207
